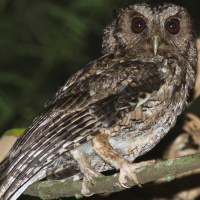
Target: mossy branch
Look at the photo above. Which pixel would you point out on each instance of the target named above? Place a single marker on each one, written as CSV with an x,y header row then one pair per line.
x,y
168,169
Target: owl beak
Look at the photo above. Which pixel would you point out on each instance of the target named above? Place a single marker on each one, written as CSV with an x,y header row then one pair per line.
x,y
155,44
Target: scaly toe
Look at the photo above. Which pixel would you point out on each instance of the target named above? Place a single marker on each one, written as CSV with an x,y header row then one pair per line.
x,y
128,171
90,174
85,191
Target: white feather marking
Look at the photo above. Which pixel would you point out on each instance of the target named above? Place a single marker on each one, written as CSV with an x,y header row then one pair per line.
x,y
37,153
141,101
67,144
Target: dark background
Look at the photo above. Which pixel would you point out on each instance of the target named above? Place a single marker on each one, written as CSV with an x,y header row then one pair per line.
x,y
42,43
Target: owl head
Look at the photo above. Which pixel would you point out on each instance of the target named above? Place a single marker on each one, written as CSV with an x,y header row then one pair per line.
x,y
151,27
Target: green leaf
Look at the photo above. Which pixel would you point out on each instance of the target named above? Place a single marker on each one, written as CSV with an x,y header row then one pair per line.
x,y
15,131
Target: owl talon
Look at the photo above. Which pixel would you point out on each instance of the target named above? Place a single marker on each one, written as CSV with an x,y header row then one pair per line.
x,y
128,170
89,174
85,191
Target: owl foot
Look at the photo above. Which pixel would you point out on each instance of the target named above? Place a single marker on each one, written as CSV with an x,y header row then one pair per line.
x,y
89,174
128,170
86,169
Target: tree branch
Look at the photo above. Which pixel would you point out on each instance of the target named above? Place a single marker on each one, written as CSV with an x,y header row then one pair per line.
x,y
167,169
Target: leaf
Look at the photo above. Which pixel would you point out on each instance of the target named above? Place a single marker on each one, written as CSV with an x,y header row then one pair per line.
x,y
16,132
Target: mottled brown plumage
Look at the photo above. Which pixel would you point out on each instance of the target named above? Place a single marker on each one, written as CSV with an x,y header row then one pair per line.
x,y
116,108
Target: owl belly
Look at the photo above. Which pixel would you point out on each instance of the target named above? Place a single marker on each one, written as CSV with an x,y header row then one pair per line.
x,y
150,122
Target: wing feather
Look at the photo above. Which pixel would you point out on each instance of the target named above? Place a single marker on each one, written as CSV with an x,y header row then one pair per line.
x,y
86,103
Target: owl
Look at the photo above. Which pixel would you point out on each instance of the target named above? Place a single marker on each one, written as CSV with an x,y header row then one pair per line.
x,y
116,108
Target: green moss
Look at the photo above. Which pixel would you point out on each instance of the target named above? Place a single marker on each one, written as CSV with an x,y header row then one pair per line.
x,y
78,196
169,177
169,162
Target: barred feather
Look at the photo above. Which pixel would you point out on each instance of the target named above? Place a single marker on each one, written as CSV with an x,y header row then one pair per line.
x,y
76,112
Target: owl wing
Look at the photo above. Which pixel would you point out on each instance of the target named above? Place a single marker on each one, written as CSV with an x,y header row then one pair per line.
x,y
88,102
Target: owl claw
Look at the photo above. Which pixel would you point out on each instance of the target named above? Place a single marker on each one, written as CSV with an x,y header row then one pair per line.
x,y
89,174
128,170
84,190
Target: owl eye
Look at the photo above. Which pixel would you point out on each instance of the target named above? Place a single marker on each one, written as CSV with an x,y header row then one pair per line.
x,y
173,26
138,25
